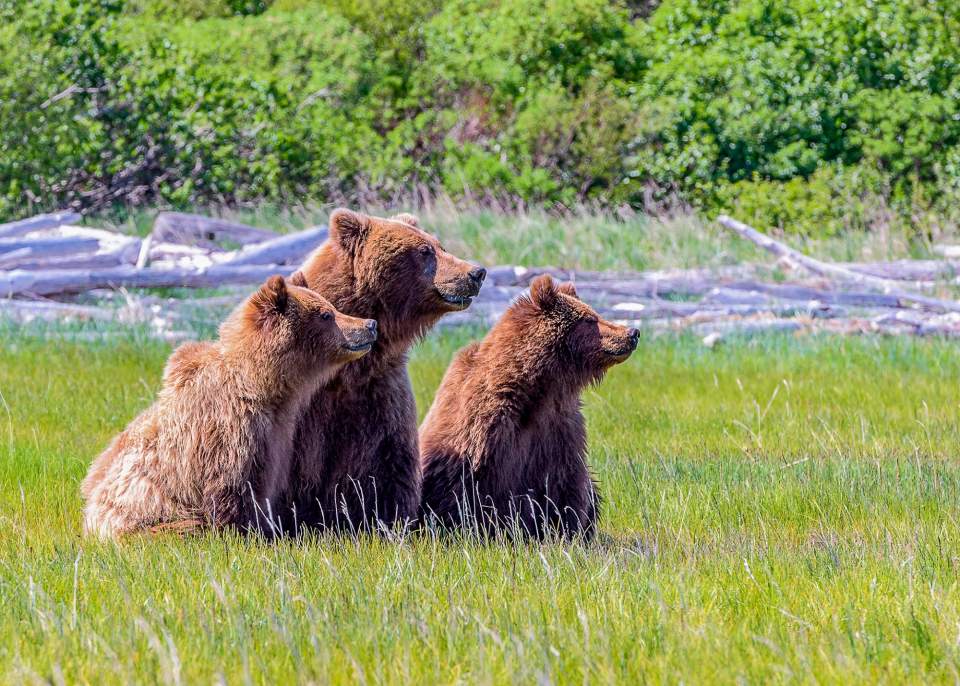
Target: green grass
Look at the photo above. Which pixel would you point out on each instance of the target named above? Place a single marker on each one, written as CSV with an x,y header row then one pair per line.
x,y
776,510
581,239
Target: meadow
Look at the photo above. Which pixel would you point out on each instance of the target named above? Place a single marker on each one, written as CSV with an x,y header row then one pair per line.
x,y
776,510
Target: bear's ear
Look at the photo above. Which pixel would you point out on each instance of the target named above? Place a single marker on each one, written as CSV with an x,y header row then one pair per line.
x,y
348,228
406,219
271,299
567,288
543,292
298,279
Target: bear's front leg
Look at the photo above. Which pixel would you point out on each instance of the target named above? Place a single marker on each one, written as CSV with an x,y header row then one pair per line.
x,y
235,505
395,483
574,507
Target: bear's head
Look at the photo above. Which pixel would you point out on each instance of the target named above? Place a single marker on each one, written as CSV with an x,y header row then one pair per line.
x,y
287,323
402,267
574,341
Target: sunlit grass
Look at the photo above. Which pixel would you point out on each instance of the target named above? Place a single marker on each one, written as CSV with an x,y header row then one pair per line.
x,y
578,239
775,510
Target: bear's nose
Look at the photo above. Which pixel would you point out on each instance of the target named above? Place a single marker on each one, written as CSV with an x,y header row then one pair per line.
x,y
372,326
478,274
634,336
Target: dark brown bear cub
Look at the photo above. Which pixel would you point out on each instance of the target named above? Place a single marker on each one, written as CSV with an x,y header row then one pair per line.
x,y
504,445
215,448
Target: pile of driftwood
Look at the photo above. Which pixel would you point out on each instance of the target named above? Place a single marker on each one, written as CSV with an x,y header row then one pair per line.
x,y
52,269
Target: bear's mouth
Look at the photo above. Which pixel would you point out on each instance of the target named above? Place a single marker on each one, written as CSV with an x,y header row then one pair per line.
x,y
620,354
458,302
359,347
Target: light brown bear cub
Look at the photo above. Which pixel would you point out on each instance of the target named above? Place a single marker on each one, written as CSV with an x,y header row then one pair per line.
x,y
216,445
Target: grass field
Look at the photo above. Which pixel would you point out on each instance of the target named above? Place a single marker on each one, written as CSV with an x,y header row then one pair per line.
x,y
777,510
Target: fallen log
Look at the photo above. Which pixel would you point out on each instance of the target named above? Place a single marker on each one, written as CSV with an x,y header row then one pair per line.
x,y
11,259
37,258
38,223
925,273
176,256
829,297
105,236
947,251
744,327
99,260
23,282
289,249
194,229
918,271
514,275
837,272
799,260
682,288
49,247
143,255
27,310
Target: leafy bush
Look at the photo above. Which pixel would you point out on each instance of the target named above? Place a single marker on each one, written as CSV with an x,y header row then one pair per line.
x,y
807,115
777,90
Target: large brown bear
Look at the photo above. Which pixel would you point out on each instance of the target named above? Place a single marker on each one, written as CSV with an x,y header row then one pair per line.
x,y
215,448
356,463
504,446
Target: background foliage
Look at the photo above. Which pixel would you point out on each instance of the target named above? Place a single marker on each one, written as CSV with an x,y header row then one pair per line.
x,y
812,115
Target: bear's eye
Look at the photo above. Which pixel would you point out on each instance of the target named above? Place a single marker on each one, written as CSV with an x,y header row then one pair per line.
x,y
591,320
326,316
426,250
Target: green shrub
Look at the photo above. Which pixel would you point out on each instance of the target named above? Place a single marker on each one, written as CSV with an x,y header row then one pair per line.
x,y
805,115
539,93
193,9
57,100
775,90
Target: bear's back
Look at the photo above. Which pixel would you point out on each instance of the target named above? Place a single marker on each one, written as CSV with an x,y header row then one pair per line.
x,y
186,362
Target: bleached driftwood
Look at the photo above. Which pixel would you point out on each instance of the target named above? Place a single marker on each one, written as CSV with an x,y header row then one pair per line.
x,y
22,282
98,260
948,251
67,252
834,271
798,260
12,259
176,256
143,255
515,275
40,222
289,249
105,237
194,229
182,252
27,310
49,247
923,272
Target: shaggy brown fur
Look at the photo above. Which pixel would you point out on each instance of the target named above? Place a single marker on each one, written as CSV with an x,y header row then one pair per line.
x,y
356,455
216,445
504,445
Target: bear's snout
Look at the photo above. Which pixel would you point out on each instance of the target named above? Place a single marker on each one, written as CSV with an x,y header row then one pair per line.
x,y
457,282
361,335
477,275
